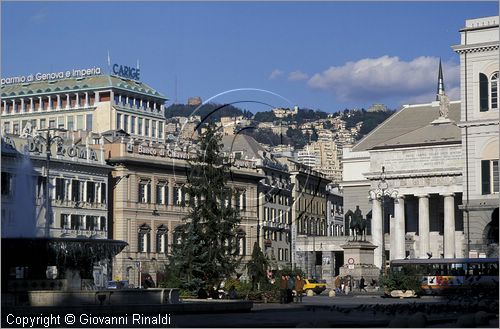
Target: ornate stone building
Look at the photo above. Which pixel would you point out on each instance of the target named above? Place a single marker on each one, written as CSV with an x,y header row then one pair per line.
x,y
274,198
149,203
77,191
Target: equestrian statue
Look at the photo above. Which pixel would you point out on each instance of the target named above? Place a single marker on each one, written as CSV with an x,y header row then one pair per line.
x,y
357,224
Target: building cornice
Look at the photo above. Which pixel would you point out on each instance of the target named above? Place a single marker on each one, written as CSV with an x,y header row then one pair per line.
x,y
482,122
475,48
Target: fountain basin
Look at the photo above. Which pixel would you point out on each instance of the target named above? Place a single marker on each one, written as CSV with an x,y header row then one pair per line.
x,y
26,261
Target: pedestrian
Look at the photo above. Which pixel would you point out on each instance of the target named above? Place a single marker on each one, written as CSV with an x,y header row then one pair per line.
x,y
202,293
342,285
289,291
232,293
350,284
362,284
299,288
337,285
283,288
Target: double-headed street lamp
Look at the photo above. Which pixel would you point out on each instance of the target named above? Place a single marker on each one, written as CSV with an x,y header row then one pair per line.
x,y
380,193
49,140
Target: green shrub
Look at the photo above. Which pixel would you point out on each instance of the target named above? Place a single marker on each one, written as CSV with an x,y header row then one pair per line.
x,y
401,280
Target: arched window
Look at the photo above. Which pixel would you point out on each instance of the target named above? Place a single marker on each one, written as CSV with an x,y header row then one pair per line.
x,y
144,238
488,92
494,91
162,239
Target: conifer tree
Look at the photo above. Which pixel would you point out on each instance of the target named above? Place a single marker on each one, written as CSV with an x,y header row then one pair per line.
x,y
257,267
208,251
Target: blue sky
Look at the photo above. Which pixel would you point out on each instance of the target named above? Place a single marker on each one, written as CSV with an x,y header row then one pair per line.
x,y
323,55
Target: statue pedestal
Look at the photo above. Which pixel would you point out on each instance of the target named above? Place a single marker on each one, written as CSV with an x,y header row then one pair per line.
x,y
358,262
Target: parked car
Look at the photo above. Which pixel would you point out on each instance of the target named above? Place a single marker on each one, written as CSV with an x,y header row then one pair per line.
x,y
123,284
314,285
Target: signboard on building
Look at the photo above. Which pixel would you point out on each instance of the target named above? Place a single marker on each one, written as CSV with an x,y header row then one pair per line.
x,y
50,76
127,72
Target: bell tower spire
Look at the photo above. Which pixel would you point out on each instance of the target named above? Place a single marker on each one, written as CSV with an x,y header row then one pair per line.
x,y
440,85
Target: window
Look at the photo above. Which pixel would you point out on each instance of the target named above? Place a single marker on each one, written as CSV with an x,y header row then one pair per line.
x,y
177,236
178,196
60,189
118,121
489,176
160,129
15,130
162,193
153,128
144,238
91,223
146,127
162,239
494,91
71,123
132,125
125,122
65,221
145,192
6,183
88,122
43,123
75,190
6,127
488,92
139,126
102,223
79,122
116,98
60,122
241,243
103,193
76,222
91,195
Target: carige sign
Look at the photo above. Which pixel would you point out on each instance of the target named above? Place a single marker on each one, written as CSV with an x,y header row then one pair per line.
x,y
126,71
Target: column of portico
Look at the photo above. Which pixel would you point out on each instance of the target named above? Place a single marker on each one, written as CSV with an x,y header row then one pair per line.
x,y
392,239
399,214
423,225
377,232
449,225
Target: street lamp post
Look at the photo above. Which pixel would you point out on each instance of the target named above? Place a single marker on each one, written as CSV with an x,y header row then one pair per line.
x,y
49,140
380,193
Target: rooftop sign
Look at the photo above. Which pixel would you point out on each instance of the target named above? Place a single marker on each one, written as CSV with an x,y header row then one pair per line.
x,y
127,72
37,77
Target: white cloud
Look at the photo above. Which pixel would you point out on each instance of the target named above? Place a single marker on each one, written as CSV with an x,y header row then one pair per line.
x,y
297,76
376,79
39,16
275,74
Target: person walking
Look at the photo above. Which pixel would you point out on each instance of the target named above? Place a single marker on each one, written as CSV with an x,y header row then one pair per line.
x,y
362,284
289,291
299,288
283,288
337,285
343,286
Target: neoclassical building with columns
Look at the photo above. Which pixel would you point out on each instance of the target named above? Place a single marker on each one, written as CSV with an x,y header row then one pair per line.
x,y
415,160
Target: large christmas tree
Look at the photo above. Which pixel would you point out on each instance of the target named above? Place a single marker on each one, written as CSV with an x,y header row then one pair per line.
x,y
208,251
